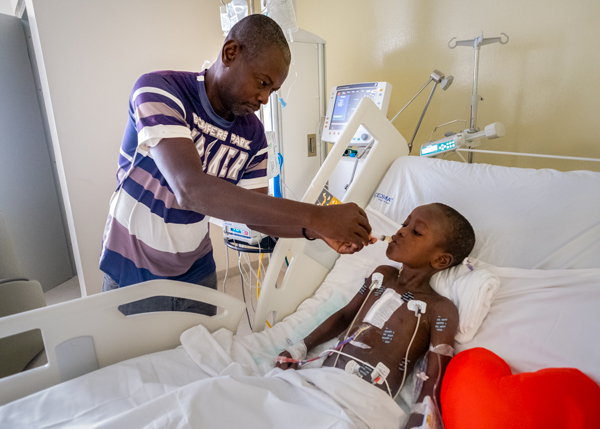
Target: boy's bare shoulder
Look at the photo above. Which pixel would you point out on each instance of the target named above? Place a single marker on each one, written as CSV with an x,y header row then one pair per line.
x,y
445,307
387,270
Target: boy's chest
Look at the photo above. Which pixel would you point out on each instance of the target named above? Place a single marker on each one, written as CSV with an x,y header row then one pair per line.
x,y
389,321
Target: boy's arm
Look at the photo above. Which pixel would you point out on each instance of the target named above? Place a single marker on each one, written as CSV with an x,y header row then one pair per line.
x,y
334,325
444,324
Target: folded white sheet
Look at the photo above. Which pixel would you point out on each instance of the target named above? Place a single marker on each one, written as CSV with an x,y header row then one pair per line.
x,y
472,288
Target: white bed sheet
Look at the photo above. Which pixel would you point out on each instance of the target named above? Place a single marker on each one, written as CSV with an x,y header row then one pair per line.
x,y
95,397
544,319
212,388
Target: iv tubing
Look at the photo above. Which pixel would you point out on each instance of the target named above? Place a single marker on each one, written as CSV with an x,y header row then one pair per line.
x,y
406,356
437,381
354,320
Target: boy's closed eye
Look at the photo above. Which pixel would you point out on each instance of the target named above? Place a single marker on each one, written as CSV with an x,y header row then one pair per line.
x,y
415,232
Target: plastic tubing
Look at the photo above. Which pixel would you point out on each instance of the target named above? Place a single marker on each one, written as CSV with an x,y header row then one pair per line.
x,y
406,356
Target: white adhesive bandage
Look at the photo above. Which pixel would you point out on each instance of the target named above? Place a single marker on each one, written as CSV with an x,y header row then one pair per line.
x,y
376,281
442,349
383,309
352,367
298,350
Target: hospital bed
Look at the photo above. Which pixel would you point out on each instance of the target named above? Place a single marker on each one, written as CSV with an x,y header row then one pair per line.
x,y
538,229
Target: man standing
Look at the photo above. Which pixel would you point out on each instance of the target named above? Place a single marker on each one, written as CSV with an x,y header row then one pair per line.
x,y
190,139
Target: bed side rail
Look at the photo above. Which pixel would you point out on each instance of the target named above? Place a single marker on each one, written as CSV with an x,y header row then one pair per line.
x,y
89,333
312,261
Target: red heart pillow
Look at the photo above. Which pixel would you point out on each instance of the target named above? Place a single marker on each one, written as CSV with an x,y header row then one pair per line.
x,y
480,391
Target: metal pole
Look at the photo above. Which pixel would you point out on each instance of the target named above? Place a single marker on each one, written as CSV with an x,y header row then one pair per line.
x,y
474,99
411,100
410,145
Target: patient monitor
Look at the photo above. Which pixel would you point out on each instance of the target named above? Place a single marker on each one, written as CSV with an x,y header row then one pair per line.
x,y
342,104
343,101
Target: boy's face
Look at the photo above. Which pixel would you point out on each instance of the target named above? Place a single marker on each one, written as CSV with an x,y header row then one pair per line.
x,y
416,244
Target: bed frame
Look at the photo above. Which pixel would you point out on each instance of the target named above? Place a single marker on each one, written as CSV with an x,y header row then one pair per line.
x,y
90,333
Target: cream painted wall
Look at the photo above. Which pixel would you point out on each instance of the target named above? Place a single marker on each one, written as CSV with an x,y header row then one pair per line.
x,y
542,85
92,52
6,7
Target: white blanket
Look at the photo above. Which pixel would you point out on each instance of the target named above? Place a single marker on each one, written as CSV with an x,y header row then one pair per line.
x,y
89,400
286,397
313,398
209,390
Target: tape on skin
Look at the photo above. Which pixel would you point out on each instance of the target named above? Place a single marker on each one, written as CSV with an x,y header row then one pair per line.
x,y
364,370
407,296
383,308
298,350
442,349
379,291
441,323
403,364
387,336
363,289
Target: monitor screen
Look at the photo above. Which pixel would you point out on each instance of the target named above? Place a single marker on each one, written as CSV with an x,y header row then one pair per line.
x,y
346,101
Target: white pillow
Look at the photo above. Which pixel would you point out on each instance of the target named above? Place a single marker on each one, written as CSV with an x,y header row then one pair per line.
x,y
472,289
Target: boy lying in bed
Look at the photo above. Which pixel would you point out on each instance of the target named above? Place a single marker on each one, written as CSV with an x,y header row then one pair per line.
x,y
392,326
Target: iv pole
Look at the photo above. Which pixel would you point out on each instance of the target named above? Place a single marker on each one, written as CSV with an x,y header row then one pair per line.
x,y
476,43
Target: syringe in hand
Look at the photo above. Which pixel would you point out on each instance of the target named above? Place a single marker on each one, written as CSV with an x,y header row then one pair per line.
x,y
381,237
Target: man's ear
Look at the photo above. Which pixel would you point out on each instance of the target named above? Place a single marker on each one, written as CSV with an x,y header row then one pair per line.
x,y
230,51
442,261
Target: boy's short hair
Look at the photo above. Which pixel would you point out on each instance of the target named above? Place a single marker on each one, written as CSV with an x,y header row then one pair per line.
x,y
460,236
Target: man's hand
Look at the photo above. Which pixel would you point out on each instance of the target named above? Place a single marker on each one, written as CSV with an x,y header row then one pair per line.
x,y
344,248
346,224
286,365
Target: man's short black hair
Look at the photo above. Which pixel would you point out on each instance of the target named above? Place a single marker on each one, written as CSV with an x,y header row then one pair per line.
x,y
257,32
460,236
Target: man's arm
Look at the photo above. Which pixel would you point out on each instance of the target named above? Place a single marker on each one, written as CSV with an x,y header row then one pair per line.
x,y
441,334
296,232
180,164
